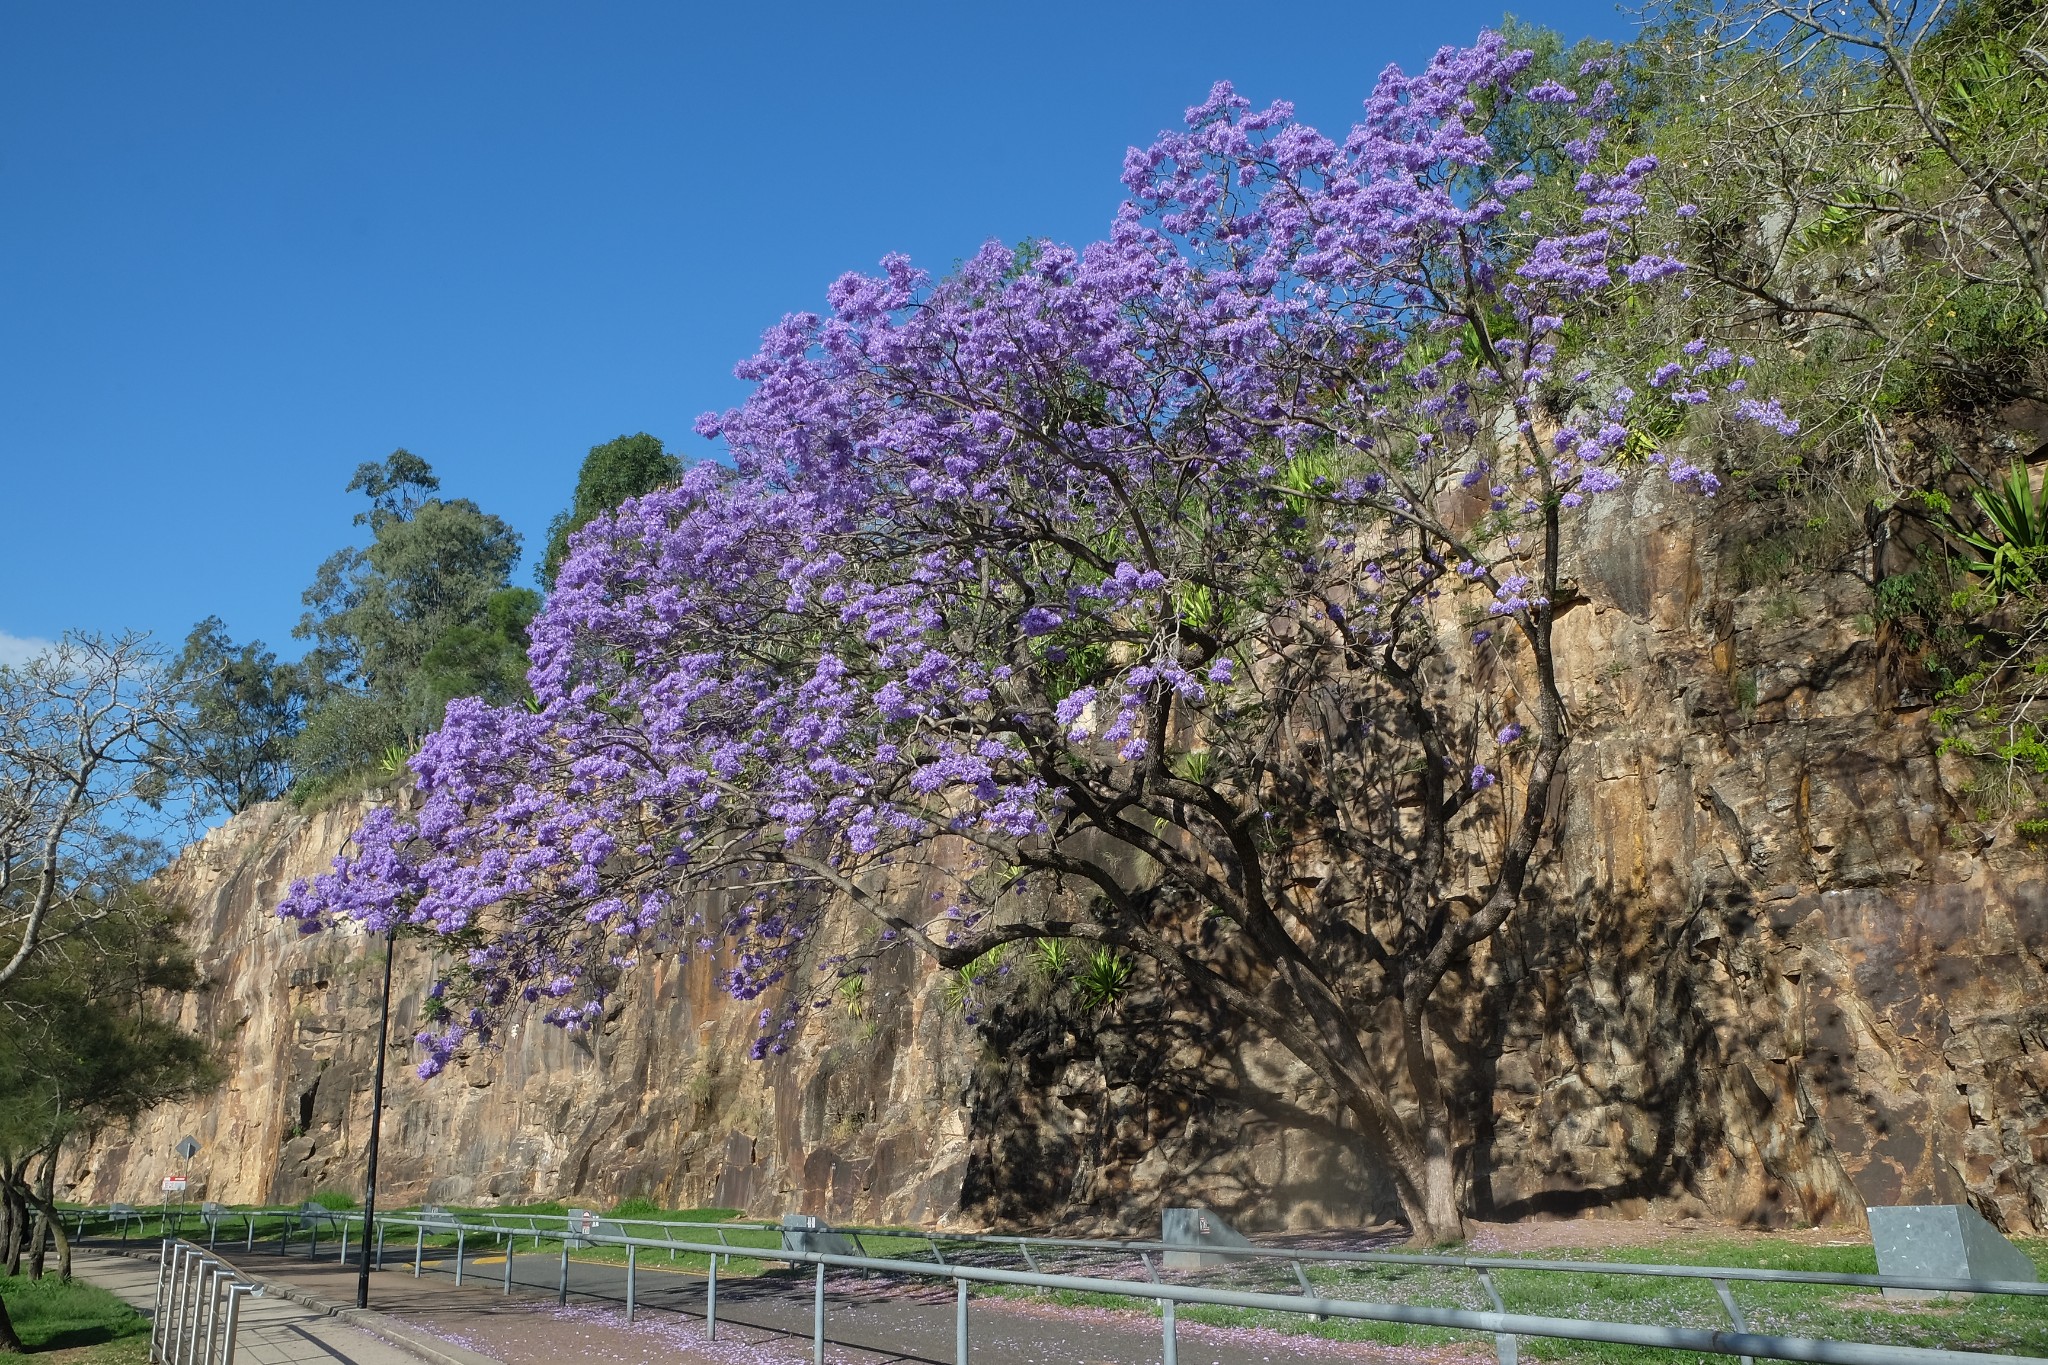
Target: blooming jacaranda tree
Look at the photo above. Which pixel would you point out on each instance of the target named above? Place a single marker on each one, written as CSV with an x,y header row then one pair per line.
x,y
1117,593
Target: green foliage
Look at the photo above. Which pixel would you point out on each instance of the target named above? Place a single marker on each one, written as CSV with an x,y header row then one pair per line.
x,y
964,988
1984,1322
646,1208
86,1042
1807,535
637,1208
1978,624
50,1314
1054,959
422,614
2011,552
485,659
1068,667
622,468
1103,979
1977,347
338,1200
246,710
1744,688
1203,608
1869,226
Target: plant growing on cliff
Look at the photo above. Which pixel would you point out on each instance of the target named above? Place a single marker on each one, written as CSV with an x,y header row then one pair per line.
x,y
1863,205
623,467
246,710
423,613
1103,979
999,552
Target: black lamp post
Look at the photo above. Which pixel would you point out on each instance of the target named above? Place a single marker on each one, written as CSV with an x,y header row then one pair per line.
x,y
376,1122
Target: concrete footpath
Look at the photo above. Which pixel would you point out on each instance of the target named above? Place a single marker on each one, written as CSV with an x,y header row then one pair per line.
x,y
762,1320
278,1328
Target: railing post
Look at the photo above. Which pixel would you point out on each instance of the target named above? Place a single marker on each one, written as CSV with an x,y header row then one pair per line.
x,y
156,1317
562,1281
171,1328
1505,1348
510,1247
711,1302
344,1241
1169,1341
960,1322
460,1234
1301,1278
249,1242
235,1292
632,1269
209,1275
380,1244
419,1247
212,1306
1734,1312
188,1315
818,1319
179,1310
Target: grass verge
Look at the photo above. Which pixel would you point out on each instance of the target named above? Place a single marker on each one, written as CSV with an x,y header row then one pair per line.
x,y
1984,1323
74,1322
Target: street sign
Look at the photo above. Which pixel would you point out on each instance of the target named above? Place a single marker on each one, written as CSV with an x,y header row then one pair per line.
x,y
174,1184
188,1147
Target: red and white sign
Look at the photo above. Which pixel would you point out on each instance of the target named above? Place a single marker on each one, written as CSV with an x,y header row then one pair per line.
x,y
589,1218
174,1184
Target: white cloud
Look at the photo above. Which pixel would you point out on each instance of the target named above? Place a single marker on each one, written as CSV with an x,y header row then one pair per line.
x,y
19,649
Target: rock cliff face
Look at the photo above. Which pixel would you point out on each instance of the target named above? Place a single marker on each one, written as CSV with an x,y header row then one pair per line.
x,y
1768,977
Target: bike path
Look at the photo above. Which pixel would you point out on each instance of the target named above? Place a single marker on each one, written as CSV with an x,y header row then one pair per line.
x,y
272,1330
766,1319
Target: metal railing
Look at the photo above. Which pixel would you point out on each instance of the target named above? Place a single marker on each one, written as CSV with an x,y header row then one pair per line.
x,y
971,1250
198,1307
1501,1324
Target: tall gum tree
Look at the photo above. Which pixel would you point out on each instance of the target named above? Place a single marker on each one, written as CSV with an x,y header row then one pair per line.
x,y
1135,572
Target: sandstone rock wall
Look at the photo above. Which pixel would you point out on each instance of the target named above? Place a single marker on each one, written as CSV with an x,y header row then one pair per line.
x,y
1769,975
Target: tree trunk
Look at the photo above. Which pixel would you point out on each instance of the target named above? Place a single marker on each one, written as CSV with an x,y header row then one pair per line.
x,y
38,1240
10,1344
17,1218
45,1197
10,1249
1436,1220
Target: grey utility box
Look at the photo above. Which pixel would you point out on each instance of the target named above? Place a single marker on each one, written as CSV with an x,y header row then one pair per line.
x,y
1943,1241
1197,1227
808,1232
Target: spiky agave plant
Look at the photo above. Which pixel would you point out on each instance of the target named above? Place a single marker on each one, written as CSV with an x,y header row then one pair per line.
x,y
2019,516
1103,980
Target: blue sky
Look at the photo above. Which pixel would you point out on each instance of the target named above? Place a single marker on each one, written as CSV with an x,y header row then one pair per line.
x,y
245,247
